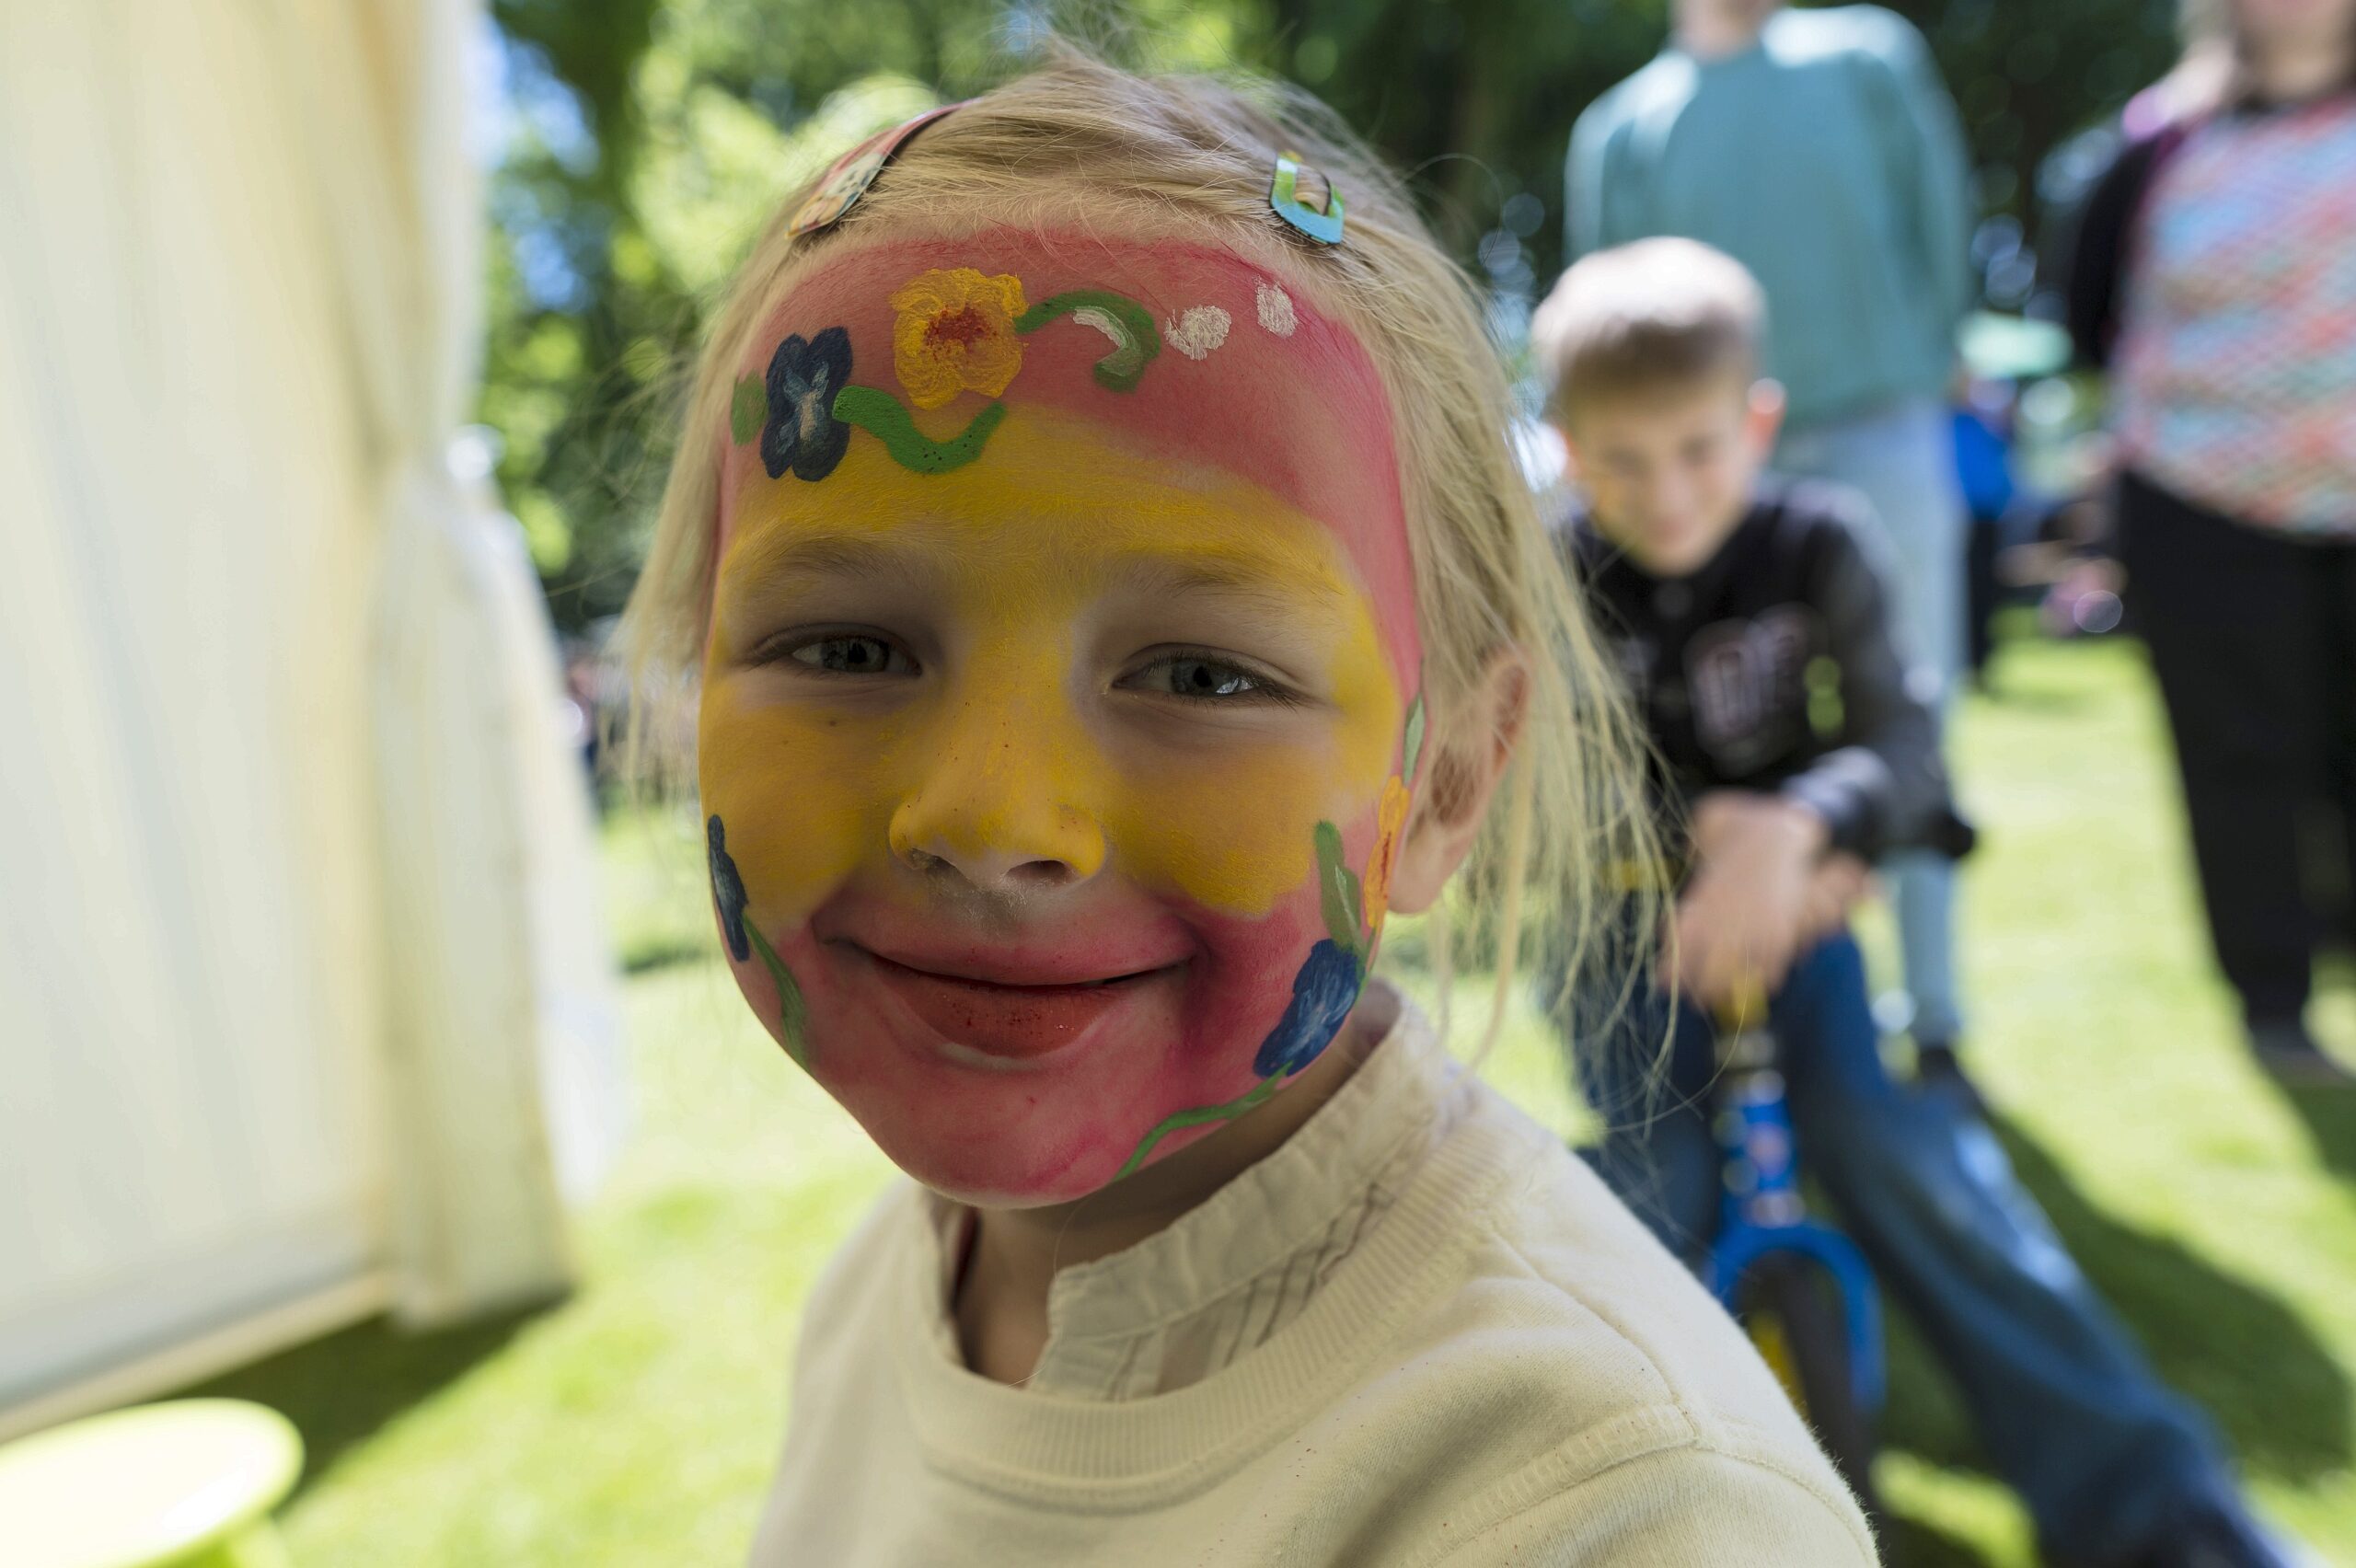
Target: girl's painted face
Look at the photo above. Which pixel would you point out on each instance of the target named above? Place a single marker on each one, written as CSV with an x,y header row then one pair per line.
x,y
1062,697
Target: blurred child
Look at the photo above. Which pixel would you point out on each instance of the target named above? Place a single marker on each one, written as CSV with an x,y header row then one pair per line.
x,y
1114,597
1793,748
1817,145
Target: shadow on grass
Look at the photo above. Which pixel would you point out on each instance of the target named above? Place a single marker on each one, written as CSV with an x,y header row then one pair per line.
x,y
2239,1352
1925,1418
2330,1118
339,1391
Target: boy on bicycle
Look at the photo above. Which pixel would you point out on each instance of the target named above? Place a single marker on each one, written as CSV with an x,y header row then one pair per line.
x,y
1792,750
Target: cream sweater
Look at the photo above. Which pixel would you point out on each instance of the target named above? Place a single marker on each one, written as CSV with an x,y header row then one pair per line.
x,y
1419,1332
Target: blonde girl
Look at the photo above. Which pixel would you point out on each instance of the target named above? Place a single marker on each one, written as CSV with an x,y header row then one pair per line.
x,y
1113,597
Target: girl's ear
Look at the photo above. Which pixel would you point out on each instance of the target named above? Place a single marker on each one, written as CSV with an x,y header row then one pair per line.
x,y
1459,778
1763,414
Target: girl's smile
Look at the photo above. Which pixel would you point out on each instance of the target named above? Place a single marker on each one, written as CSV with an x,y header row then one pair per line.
x,y
1011,1022
1013,999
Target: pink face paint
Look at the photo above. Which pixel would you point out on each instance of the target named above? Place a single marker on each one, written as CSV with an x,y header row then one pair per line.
x,y
1035,907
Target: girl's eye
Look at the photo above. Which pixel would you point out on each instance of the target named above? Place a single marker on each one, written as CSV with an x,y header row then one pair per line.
x,y
1206,680
851,656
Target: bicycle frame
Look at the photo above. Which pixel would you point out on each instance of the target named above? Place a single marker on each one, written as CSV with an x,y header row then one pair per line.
x,y
1761,1212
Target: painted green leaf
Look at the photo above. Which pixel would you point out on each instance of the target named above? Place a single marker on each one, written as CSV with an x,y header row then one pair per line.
x,y
793,1018
882,416
1195,1118
1414,749
1129,326
1337,889
748,410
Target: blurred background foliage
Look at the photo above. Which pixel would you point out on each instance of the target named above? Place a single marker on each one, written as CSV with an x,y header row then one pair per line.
x,y
644,142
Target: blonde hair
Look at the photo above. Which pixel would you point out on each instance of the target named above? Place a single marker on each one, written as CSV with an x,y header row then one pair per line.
x,y
1656,315
1082,146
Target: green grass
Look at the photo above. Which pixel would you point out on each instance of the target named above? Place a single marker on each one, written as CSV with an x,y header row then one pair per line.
x,y
635,1423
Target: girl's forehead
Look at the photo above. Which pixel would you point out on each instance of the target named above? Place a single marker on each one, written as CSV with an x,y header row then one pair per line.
x,y
1185,355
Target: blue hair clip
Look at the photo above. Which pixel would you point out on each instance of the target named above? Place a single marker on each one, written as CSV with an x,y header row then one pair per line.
x,y
1284,195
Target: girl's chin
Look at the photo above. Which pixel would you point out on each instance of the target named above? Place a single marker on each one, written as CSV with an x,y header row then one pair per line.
x,y
1006,1178
1020,1103
997,1189
1035,1139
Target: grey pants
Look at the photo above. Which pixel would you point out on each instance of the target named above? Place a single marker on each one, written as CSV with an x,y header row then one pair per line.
x,y
1901,458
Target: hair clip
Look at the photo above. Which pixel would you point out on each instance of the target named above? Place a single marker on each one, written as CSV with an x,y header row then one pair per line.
x,y
847,178
1322,223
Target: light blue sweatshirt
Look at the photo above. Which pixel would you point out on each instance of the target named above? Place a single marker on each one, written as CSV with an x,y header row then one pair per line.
x,y
1827,159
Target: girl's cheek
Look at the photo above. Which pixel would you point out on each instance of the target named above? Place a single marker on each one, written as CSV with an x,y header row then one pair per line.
x,y
805,796
1236,831
1231,834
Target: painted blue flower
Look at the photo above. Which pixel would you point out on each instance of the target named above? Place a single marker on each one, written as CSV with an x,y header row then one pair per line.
x,y
1322,994
728,892
800,432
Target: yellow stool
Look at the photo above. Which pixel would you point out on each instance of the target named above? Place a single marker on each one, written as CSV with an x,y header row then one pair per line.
x,y
186,1484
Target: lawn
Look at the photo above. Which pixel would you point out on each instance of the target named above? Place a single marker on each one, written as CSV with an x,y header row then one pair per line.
x,y
634,1424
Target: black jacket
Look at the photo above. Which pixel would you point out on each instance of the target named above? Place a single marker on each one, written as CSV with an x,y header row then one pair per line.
x,y
2096,244
1771,668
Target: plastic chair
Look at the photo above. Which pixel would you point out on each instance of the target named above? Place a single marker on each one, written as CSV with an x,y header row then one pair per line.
x,y
186,1484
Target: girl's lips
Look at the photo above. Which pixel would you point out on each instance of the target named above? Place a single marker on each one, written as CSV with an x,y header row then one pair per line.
x,y
1009,1020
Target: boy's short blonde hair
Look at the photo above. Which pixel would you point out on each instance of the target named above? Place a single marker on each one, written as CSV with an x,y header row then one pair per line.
x,y
1078,145
1655,316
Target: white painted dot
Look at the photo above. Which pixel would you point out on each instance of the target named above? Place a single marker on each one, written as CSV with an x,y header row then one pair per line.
x,y
1275,310
1194,334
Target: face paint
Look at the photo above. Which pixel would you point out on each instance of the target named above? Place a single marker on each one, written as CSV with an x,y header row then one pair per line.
x,y
1062,705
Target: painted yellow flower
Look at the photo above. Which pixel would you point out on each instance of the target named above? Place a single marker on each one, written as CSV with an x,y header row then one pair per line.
x,y
956,334
1390,816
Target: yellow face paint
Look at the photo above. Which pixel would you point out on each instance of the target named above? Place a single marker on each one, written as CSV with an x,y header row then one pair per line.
x,y
1021,543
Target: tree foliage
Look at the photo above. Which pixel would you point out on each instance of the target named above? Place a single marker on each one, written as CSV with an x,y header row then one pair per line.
x,y
644,140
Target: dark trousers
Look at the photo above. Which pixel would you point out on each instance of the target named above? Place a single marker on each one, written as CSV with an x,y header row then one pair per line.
x,y
2253,637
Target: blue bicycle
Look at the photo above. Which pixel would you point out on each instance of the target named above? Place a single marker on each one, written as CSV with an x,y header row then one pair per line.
x,y
1801,1289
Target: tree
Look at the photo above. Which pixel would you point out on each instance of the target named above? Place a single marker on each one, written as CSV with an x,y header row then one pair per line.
x,y
646,140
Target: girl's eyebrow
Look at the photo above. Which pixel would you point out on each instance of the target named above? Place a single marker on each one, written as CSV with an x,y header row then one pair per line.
x,y
775,556
1275,586
1274,581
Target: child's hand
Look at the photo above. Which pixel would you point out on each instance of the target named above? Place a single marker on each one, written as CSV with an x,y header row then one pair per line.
x,y
1748,906
1838,885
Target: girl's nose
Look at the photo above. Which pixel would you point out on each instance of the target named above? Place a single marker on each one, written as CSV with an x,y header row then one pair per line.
x,y
998,807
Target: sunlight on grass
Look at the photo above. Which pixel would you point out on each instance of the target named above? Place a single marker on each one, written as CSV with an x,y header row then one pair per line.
x,y
636,1422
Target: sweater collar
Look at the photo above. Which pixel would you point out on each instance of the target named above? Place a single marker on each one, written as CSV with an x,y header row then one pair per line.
x,y
1266,1214
1097,1310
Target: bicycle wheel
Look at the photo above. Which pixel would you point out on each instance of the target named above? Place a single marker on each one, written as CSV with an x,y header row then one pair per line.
x,y
1792,1311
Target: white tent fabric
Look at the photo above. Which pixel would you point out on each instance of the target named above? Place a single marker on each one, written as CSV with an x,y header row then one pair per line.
x,y
300,976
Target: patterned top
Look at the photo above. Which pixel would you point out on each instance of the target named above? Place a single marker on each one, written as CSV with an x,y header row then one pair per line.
x,y
2235,372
